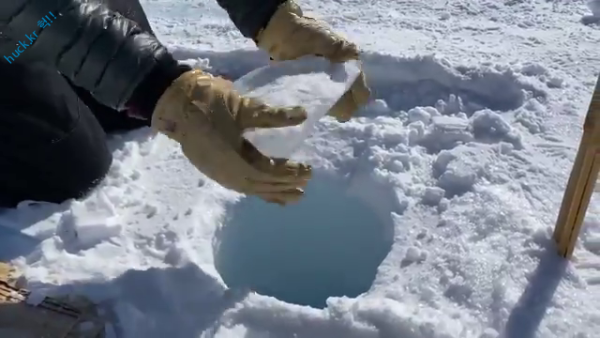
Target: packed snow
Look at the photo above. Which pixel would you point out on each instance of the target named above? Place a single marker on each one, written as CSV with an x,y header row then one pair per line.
x,y
430,213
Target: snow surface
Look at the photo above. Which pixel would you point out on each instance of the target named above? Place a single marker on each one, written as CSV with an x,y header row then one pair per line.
x,y
432,211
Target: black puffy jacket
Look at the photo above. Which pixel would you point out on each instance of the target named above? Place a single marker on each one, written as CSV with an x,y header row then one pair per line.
x,y
99,50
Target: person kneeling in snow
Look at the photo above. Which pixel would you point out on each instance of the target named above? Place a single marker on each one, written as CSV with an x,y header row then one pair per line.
x,y
74,70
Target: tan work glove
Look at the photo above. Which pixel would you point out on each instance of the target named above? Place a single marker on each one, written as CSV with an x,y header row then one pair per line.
x,y
207,117
290,35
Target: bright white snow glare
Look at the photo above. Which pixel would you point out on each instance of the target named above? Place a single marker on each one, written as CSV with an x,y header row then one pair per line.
x,y
328,244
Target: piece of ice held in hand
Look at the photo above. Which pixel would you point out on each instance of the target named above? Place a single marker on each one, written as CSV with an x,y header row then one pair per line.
x,y
311,82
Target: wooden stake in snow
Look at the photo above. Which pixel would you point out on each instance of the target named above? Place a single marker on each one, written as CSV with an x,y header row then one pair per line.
x,y
581,182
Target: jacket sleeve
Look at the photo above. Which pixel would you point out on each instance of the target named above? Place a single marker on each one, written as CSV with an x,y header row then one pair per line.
x,y
250,16
97,49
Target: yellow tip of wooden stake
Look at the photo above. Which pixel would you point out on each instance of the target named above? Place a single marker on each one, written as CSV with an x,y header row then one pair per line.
x,y
581,182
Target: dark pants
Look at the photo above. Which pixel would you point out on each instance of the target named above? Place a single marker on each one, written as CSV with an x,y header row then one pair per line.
x,y
52,134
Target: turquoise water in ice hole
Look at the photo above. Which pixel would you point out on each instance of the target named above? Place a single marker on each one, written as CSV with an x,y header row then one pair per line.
x,y
328,244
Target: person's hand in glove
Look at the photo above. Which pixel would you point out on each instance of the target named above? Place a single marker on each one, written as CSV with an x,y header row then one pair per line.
x,y
290,35
208,117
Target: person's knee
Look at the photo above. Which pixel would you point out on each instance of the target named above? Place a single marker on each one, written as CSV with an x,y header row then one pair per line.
x,y
54,156
67,169
82,160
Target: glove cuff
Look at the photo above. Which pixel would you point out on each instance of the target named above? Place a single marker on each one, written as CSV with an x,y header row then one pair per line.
x,y
168,116
279,28
145,96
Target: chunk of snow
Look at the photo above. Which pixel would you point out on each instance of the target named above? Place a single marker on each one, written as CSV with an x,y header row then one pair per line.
x,y
433,196
419,114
